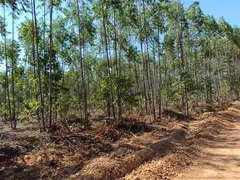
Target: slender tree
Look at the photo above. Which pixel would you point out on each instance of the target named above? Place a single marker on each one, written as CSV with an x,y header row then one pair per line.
x,y
38,66
50,64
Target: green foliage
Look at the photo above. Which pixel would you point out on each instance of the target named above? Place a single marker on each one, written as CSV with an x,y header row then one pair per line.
x,y
125,86
31,106
114,53
234,83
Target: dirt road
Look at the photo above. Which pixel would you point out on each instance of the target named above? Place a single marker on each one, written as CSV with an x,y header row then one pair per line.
x,y
221,160
211,151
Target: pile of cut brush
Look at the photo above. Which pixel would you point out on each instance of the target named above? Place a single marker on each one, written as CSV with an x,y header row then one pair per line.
x,y
124,127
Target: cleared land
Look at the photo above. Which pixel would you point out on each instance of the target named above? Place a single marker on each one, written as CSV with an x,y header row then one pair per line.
x,y
203,148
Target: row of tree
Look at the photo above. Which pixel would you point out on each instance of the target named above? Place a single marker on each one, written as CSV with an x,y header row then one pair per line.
x,y
79,55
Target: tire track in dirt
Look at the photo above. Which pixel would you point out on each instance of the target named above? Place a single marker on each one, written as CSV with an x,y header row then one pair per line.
x,y
220,160
211,151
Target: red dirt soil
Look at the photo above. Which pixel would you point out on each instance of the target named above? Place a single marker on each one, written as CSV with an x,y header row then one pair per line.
x,y
126,149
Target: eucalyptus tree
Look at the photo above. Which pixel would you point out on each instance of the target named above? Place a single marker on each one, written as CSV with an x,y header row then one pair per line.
x,y
102,15
2,83
26,38
116,9
210,28
4,33
141,30
194,36
182,64
172,48
19,89
223,58
50,61
63,48
14,5
159,25
147,31
3,113
36,38
79,38
13,54
14,8
124,19
29,37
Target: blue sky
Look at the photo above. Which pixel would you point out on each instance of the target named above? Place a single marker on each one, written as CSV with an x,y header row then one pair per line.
x,y
229,9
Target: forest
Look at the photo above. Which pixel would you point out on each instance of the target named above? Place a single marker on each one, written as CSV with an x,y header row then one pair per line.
x,y
111,67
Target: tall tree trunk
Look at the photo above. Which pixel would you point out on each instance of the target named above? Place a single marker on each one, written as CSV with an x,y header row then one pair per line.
x,y
104,16
152,79
147,60
144,78
50,65
117,64
84,88
45,85
38,69
159,69
182,63
13,69
34,59
8,102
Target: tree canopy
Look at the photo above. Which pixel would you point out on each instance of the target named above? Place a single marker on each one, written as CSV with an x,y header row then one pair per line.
x,y
79,56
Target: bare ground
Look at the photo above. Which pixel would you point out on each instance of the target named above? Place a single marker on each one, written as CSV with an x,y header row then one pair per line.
x,y
211,151
207,148
219,160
